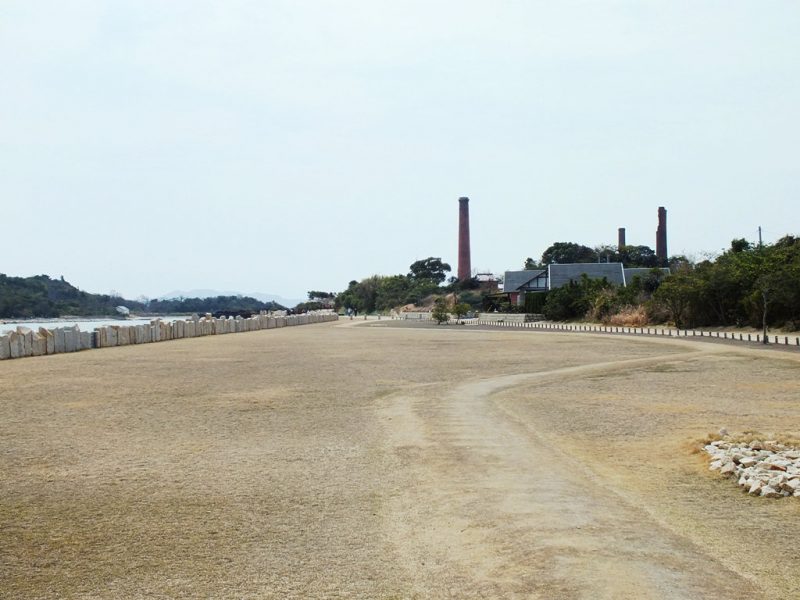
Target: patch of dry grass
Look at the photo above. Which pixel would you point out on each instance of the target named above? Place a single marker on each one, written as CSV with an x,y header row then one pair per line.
x,y
258,465
629,316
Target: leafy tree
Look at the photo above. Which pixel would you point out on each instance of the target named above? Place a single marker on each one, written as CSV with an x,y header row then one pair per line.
x,y
393,291
217,304
306,306
475,300
568,252
565,302
366,293
531,265
460,310
440,312
534,302
679,262
458,285
349,298
317,295
575,299
677,294
606,253
747,284
432,269
775,271
740,245
638,256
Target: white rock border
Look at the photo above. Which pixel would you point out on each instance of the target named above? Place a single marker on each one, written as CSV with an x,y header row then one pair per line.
x,y
769,469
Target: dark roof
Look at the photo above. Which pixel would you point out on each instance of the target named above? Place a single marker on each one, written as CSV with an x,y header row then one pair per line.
x,y
562,274
632,272
514,280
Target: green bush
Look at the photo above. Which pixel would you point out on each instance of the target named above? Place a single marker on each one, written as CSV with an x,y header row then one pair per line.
x,y
534,302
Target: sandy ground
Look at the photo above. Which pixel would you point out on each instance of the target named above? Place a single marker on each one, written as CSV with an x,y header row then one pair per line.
x,y
375,460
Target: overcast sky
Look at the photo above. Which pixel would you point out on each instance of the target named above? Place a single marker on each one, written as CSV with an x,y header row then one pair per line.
x,y
148,146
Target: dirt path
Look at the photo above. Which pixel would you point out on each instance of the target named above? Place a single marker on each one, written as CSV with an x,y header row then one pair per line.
x,y
367,460
497,511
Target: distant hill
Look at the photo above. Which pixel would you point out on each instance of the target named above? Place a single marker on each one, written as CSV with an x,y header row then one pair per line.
x,y
42,296
204,293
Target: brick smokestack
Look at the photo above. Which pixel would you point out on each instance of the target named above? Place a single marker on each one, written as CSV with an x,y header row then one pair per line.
x,y
464,264
661,236
620,237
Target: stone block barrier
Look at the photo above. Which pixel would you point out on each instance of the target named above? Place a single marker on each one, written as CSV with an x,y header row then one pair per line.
x,y
514,321
416,316
26,342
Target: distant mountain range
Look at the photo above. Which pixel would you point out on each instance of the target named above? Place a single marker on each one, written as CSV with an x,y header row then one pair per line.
x,y
201,293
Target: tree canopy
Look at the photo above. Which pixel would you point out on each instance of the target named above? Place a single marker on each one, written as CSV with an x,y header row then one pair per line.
x,y
568,252
431,268
746,285
381,293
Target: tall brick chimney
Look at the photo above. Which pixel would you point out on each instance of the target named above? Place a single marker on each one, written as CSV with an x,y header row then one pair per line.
x,y
661,237
620,237
464,263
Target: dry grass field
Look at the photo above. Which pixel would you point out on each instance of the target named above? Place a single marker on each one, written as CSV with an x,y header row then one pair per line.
x,y
373,460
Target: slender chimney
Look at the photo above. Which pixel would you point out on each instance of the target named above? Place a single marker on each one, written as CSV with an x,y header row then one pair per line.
x,y
661,236
620,237
464,266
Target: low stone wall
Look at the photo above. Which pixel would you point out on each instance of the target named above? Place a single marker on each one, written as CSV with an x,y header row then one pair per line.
x,y
509,317
26,342
415,316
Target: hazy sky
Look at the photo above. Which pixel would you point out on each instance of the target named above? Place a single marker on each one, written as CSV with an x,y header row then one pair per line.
x,y
148,146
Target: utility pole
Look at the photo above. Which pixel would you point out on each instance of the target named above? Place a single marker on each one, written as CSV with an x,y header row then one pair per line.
x,y
764,296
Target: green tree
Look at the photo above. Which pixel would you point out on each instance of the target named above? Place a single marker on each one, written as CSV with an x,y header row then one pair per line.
x,y
568,252
440,312
349,298
432,269
740,245
460,310
676,294
317,295
531,265
575,299
678,262
638,256
393,291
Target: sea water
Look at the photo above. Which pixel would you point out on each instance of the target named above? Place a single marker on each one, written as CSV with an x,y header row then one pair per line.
x,y
83,324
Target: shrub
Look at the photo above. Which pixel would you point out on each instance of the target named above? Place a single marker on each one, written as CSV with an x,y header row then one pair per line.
x,y
630,316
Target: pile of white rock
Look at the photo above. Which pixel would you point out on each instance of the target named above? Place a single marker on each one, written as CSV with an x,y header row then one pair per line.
x,y
768,468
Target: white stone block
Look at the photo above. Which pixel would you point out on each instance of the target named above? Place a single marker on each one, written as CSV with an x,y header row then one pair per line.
x,y
38,344
27,340
16,345
49,341
86,340
60,342
71,339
